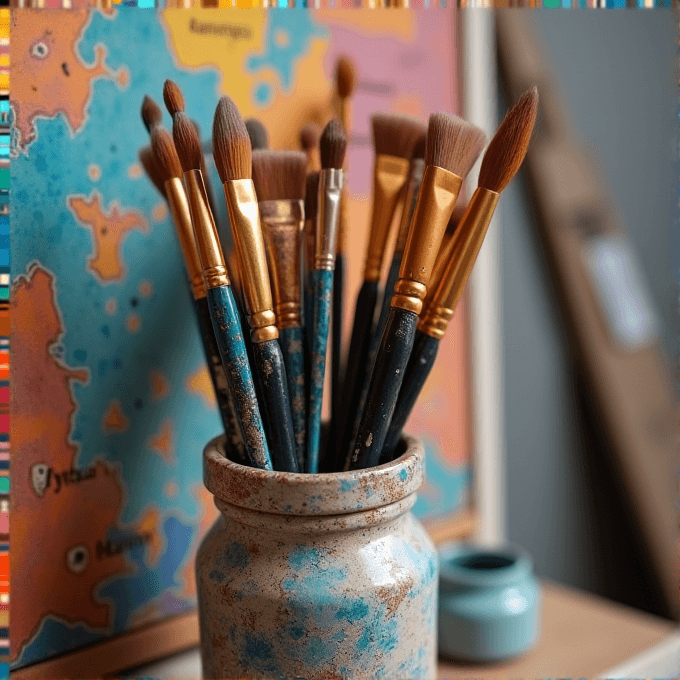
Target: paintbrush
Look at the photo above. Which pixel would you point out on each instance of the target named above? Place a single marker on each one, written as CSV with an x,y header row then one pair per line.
x,y
233,158
311,202
152,115
501,162
394,137
333,145
259,137
170,171
309,143
280,179
344,87
148,162
452,148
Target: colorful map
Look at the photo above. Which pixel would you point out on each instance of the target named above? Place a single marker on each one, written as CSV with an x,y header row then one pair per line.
x,y
112,402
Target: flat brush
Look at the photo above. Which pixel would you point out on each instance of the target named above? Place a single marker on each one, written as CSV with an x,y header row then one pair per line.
x,y
222,307
452,148
233,158
501,162
333,145
345,80
259,137
394,137
167,165
309,143
280,179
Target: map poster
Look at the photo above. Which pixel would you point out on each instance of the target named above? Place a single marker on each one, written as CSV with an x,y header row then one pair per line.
x,y
112,403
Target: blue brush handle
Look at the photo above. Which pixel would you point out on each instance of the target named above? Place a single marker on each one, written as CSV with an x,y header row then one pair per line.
x,y
291,341
323,292
388,375
219,380
227,327
420,364
271,372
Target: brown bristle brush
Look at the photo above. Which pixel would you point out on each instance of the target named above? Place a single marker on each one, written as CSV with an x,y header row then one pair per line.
x,y
259,137
233,158
146,158
280,180
151,114
309,143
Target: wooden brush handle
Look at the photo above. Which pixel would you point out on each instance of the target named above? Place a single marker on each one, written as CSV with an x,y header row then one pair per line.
x,y
388,375
291,342
323,291
341,431
229,337
336,340
420,364
271,373
219,381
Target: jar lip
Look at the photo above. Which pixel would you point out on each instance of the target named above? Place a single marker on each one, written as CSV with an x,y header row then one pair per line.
x,y
474,565
290,493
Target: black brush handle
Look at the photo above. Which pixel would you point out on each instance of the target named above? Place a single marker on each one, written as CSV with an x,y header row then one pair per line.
x,y
273,381
336,329
219,381
356,365
420,364
388,375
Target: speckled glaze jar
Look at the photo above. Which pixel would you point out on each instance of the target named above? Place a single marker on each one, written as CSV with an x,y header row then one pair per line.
x,y
317,576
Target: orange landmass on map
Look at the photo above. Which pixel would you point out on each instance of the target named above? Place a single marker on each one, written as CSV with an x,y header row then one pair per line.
x,y
114,420
108,232
162,442
160,386
200,383
48,75
208,513
57,570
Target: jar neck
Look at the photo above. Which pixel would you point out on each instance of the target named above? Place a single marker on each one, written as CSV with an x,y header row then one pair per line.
x,y
317,524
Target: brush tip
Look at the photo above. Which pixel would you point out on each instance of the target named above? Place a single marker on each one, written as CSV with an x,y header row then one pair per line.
x,y
259,138
187,142
344,77
151,113
165,154
279,175
395,134
173,97
309,136
509,145
333,145
231,144
453,143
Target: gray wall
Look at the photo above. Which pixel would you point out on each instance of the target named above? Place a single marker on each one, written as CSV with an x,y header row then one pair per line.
x,y
617,70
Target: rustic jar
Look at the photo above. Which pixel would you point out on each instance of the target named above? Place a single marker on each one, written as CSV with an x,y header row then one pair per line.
x,y
317,576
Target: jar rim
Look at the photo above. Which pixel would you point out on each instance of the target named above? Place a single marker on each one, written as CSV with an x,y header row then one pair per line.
x,y
290,493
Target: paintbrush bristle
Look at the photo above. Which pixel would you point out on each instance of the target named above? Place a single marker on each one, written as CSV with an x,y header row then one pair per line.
x,y
309,136
453,144
165,155
259,138
509,145
395,134
146,158
311,195
332,145
231,144
187,142
344,77
173,98
151,114
420,146
279,175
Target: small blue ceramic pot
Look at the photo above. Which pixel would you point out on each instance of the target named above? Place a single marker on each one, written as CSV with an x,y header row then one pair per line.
x,y
489,602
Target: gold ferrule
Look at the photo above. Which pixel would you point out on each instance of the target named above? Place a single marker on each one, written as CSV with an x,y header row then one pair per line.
x,y
415,177
462,252
282,228
331,181
244,217
209,248
181,216
436,198
389,177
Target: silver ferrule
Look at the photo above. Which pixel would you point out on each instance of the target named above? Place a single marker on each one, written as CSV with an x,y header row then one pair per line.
x,y
331,181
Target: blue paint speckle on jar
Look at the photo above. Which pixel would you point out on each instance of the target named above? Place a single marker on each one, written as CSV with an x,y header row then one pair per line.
x,y
347,485
403,475
235,555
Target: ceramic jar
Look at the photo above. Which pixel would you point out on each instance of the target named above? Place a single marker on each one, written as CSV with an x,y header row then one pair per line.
x,y
489,602
317,576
